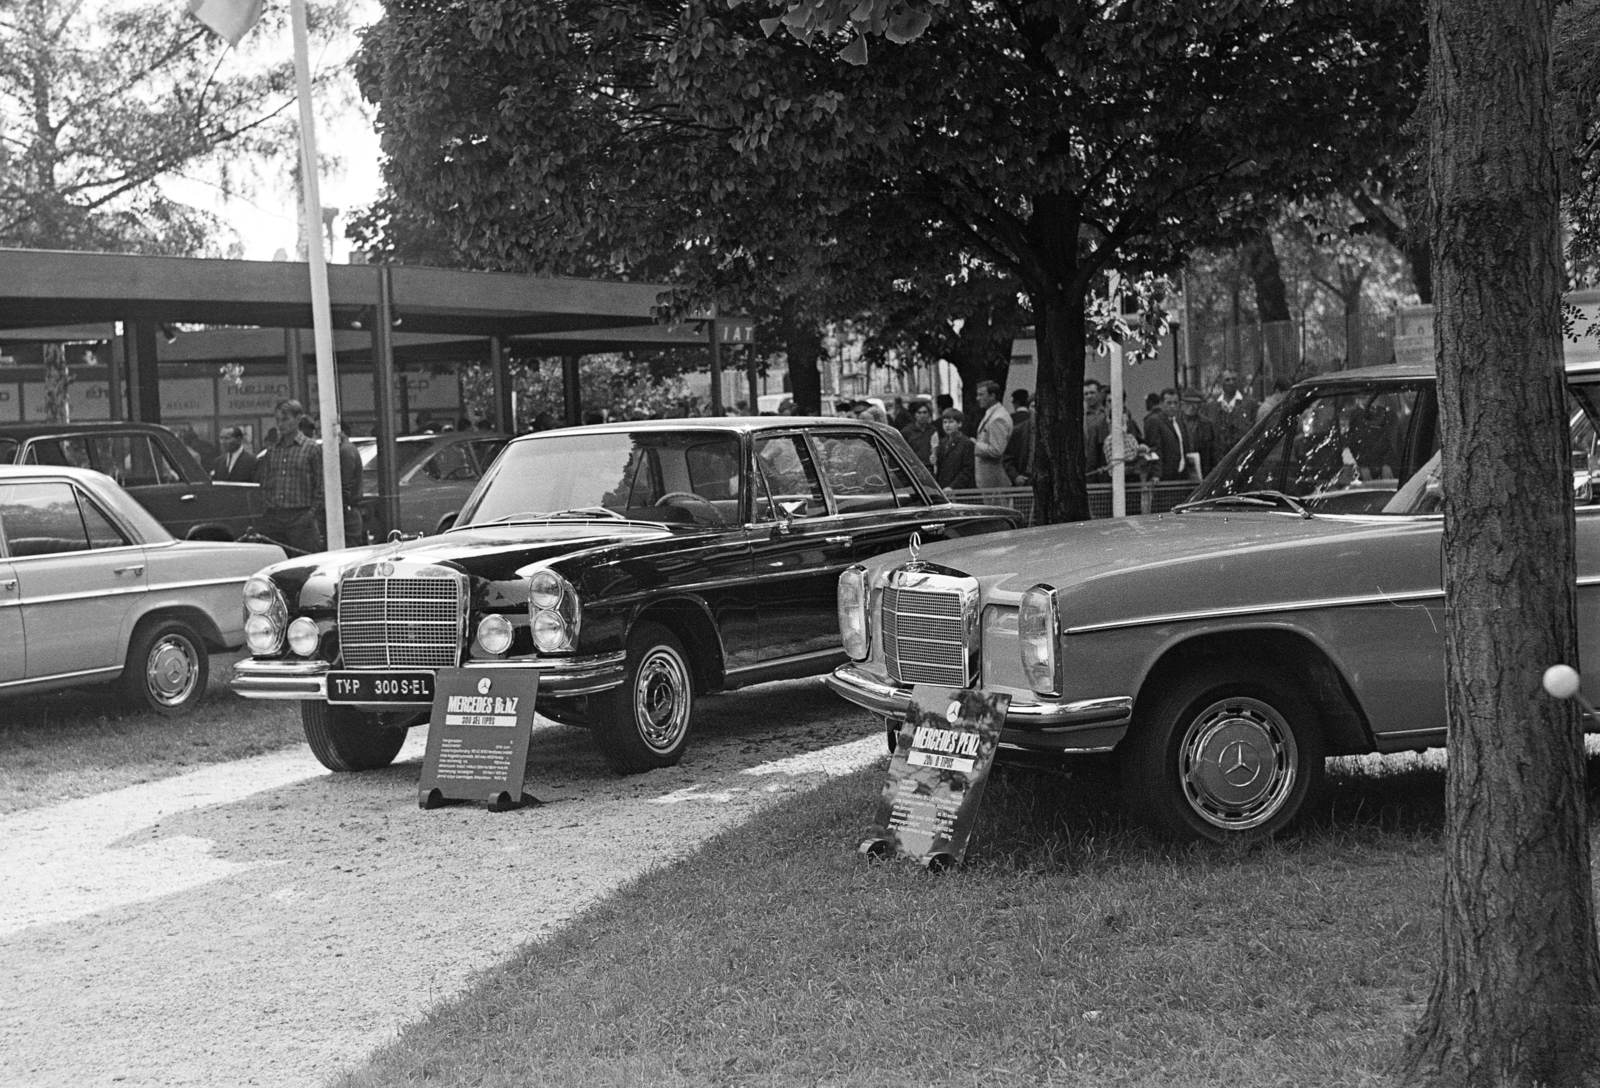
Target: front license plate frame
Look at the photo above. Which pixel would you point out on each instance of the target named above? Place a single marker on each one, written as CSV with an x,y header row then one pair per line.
x,y
409,687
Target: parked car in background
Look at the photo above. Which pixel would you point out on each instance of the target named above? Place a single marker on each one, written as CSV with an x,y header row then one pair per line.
x,y
1292,609
93,588
633,566
148,462
436,471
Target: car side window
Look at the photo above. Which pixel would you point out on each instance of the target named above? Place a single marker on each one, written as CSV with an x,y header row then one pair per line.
x,y
1583,414
486,450
905,492
102,533
788,486
453,462
42,519
854,469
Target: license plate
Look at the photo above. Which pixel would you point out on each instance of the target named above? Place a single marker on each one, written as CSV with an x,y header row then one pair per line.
x,y
380,687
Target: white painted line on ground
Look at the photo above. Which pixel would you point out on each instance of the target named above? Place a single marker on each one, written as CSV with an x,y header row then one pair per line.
x,y
61,862
837,760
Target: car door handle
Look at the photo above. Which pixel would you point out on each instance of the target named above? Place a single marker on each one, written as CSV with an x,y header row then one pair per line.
x,y
186,498
842,539
134,570
935,527
9,583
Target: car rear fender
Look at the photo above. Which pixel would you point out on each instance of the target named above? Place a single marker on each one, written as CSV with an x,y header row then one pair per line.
x,y
1345,727
690,619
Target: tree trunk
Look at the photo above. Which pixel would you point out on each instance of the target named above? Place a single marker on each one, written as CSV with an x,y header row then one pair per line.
x,y
1272,297
56,380
1059,491
1516,1000
802,343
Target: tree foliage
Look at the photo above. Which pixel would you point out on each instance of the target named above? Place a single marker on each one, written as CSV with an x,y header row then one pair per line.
x,y
98,104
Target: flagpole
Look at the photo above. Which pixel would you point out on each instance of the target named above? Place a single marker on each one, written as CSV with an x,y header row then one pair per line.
x,y
321,310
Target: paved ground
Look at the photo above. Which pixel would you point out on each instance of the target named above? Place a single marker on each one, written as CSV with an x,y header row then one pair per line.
x,y
265,923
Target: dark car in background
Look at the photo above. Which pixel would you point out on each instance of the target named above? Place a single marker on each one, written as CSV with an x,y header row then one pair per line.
x,y
633,566
437,473
150,463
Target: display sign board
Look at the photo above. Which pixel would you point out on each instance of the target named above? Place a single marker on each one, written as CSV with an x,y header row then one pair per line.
x,y
736,330
478,738
942,757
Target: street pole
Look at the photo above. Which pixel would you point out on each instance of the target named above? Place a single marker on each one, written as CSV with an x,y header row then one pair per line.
x,y
321,310
1119,471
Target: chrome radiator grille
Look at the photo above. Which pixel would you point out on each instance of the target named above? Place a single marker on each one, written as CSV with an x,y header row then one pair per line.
x,y
924,637
401,622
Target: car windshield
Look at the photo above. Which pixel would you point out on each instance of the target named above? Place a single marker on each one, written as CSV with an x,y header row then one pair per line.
x,y
1363,448
678,477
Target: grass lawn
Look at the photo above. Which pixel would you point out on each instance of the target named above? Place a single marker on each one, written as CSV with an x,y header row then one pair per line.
x,y
85,741
1071,949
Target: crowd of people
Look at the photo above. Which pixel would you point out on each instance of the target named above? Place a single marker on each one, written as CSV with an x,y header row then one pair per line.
x,y
1184,432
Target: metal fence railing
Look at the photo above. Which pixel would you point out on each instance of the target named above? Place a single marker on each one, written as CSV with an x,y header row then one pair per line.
x,y
1143,498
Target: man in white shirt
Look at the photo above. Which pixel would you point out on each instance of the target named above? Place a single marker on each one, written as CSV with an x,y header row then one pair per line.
x,y
994,433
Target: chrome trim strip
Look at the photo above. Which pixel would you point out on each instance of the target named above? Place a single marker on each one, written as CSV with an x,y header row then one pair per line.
x,y
60,676
1260,610
92,595
1439,732
239,581
792,659
1008,746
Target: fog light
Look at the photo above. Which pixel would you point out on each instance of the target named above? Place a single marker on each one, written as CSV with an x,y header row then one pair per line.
x,y
853,629
304,636
549,632
1037,632
494,634
262,635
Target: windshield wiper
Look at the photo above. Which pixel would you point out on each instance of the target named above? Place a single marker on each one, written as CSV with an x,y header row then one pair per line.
x,y
593,512
1276,500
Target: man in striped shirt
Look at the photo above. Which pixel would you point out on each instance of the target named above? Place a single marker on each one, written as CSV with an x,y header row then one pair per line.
x,y
290,474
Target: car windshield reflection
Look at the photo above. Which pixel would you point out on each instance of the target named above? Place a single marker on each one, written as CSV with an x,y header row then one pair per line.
x,y
682,478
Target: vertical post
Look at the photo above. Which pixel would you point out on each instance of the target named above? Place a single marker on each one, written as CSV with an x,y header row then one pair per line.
x,y
321,309
505,413
144,391
294,365
1191,376
754,367
383,405
1119,470
571,395
716,368
116,366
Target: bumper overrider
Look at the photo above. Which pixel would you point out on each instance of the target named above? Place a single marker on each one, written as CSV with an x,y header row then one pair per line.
x,y
558,676
1083,725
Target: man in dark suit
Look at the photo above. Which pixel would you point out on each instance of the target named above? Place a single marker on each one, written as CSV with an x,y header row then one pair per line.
x,y
1199,433
236,463
1161,435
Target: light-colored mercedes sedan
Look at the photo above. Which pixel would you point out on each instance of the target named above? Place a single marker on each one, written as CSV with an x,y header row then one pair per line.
x,y
1292,609
93,589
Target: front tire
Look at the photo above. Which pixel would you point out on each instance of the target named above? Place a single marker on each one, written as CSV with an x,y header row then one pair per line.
x,y
167,669
345,739
643,723
1229,754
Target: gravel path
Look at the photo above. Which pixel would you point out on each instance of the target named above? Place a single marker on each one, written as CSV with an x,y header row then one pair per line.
x,y
263,923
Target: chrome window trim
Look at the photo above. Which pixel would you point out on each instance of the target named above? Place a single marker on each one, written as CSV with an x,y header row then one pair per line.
x,y
1260,610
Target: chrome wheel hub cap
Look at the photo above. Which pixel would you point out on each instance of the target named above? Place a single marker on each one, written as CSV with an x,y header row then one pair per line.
x,y
172,670
661,699
1237,763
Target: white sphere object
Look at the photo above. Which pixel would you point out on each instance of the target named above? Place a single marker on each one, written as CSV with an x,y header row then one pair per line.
x,y
1561,681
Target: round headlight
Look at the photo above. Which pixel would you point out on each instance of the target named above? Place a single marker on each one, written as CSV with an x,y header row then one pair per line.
x,y
262,634
494,634
304,636
545,588
259,595
549,631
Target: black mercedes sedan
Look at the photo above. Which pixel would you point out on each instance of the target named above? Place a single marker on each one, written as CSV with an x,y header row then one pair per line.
x,y
635,566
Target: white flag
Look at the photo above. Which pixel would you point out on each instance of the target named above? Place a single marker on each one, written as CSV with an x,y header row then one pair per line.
x,y
230,19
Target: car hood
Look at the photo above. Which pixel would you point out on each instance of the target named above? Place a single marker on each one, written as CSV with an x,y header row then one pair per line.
x,y
1169,564
493,552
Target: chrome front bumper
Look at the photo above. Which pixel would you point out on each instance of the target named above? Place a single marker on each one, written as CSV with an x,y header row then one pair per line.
x,y
558,676
1084,725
